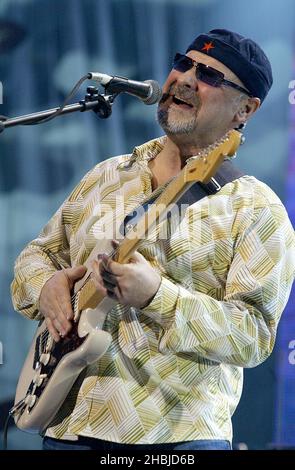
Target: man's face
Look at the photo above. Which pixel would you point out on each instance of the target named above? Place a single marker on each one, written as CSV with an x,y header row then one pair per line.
x,y
190,107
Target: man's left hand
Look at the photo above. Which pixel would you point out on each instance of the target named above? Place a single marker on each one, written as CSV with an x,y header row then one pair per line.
x,y
133,284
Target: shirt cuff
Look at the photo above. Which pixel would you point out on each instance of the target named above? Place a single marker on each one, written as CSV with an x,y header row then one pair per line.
x,y
26,297
162,307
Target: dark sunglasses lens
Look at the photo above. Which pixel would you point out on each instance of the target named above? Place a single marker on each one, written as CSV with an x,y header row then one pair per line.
x,y
209,75
182,63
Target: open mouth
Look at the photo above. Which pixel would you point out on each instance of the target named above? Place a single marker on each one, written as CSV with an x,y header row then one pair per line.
x,y
178,101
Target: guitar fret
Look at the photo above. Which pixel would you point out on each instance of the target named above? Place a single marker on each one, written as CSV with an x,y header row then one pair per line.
x,y
51,364
198,168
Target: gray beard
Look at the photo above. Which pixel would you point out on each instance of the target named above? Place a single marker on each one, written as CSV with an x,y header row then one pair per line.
x,y
171,127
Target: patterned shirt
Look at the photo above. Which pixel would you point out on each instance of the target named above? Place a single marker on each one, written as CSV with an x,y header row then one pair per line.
x,y
173,371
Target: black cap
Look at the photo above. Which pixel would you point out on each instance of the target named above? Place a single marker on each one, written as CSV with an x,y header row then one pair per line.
x,y
241,55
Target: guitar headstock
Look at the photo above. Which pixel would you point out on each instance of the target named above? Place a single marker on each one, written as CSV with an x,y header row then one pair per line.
x,y
204,166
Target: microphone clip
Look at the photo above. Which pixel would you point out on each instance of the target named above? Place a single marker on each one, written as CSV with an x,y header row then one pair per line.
x,y
104,102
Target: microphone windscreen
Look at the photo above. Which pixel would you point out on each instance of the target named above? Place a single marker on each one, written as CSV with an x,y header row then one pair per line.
x,y
155,94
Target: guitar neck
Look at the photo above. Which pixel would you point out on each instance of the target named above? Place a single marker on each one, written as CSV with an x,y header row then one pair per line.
x,y
198,168
89,297
157,211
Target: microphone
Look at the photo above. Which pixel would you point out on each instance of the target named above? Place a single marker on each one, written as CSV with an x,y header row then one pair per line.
x,y
148,91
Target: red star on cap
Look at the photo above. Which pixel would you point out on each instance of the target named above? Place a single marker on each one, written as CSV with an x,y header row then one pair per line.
x,y
208,46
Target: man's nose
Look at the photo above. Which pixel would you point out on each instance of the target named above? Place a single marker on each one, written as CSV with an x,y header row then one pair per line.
x,y
188,78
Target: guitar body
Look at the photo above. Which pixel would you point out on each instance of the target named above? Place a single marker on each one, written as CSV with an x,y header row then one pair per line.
x,y
51,369
46,396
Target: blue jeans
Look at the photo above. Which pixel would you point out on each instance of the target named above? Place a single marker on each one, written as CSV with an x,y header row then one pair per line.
x,y
88,443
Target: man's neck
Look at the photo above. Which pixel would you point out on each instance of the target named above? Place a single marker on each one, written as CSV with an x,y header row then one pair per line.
x,y
174,154
172,158
170,161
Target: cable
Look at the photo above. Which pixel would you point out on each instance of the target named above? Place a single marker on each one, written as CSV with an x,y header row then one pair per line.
x,y
5,431
66,101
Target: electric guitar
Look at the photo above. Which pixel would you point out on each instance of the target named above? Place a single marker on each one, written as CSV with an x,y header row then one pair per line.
x,y
51,368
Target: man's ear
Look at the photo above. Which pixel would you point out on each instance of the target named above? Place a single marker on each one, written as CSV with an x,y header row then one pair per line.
x,y
247,107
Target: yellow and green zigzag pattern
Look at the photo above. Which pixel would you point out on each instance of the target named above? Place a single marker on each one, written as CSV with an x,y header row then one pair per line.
x,y
174,369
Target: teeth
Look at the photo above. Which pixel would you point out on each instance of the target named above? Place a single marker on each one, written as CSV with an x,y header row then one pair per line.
x,y
180,101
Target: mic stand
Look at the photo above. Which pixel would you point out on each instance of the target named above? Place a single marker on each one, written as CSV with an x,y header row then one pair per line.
x,y
100,104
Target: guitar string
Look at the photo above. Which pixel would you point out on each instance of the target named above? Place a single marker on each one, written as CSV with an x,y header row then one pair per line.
x,y
113,253
46,334
155,193
202,154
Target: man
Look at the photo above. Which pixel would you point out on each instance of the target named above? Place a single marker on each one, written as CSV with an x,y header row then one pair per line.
x,y
192,310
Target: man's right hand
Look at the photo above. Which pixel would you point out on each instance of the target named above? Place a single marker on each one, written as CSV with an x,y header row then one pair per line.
x,y
55,301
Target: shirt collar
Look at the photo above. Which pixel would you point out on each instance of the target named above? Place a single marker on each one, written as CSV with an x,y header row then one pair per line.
x,y
144,153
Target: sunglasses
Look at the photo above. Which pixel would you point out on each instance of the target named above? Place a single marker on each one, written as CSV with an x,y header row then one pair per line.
x,y
205,73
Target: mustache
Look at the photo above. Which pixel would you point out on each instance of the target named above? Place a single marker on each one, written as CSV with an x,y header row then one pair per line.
x,y
183,93
164,98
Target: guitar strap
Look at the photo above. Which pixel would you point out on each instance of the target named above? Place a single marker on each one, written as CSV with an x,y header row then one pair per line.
x,y
226,173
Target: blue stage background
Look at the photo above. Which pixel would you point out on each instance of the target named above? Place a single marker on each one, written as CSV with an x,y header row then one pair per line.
x,y
45,47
